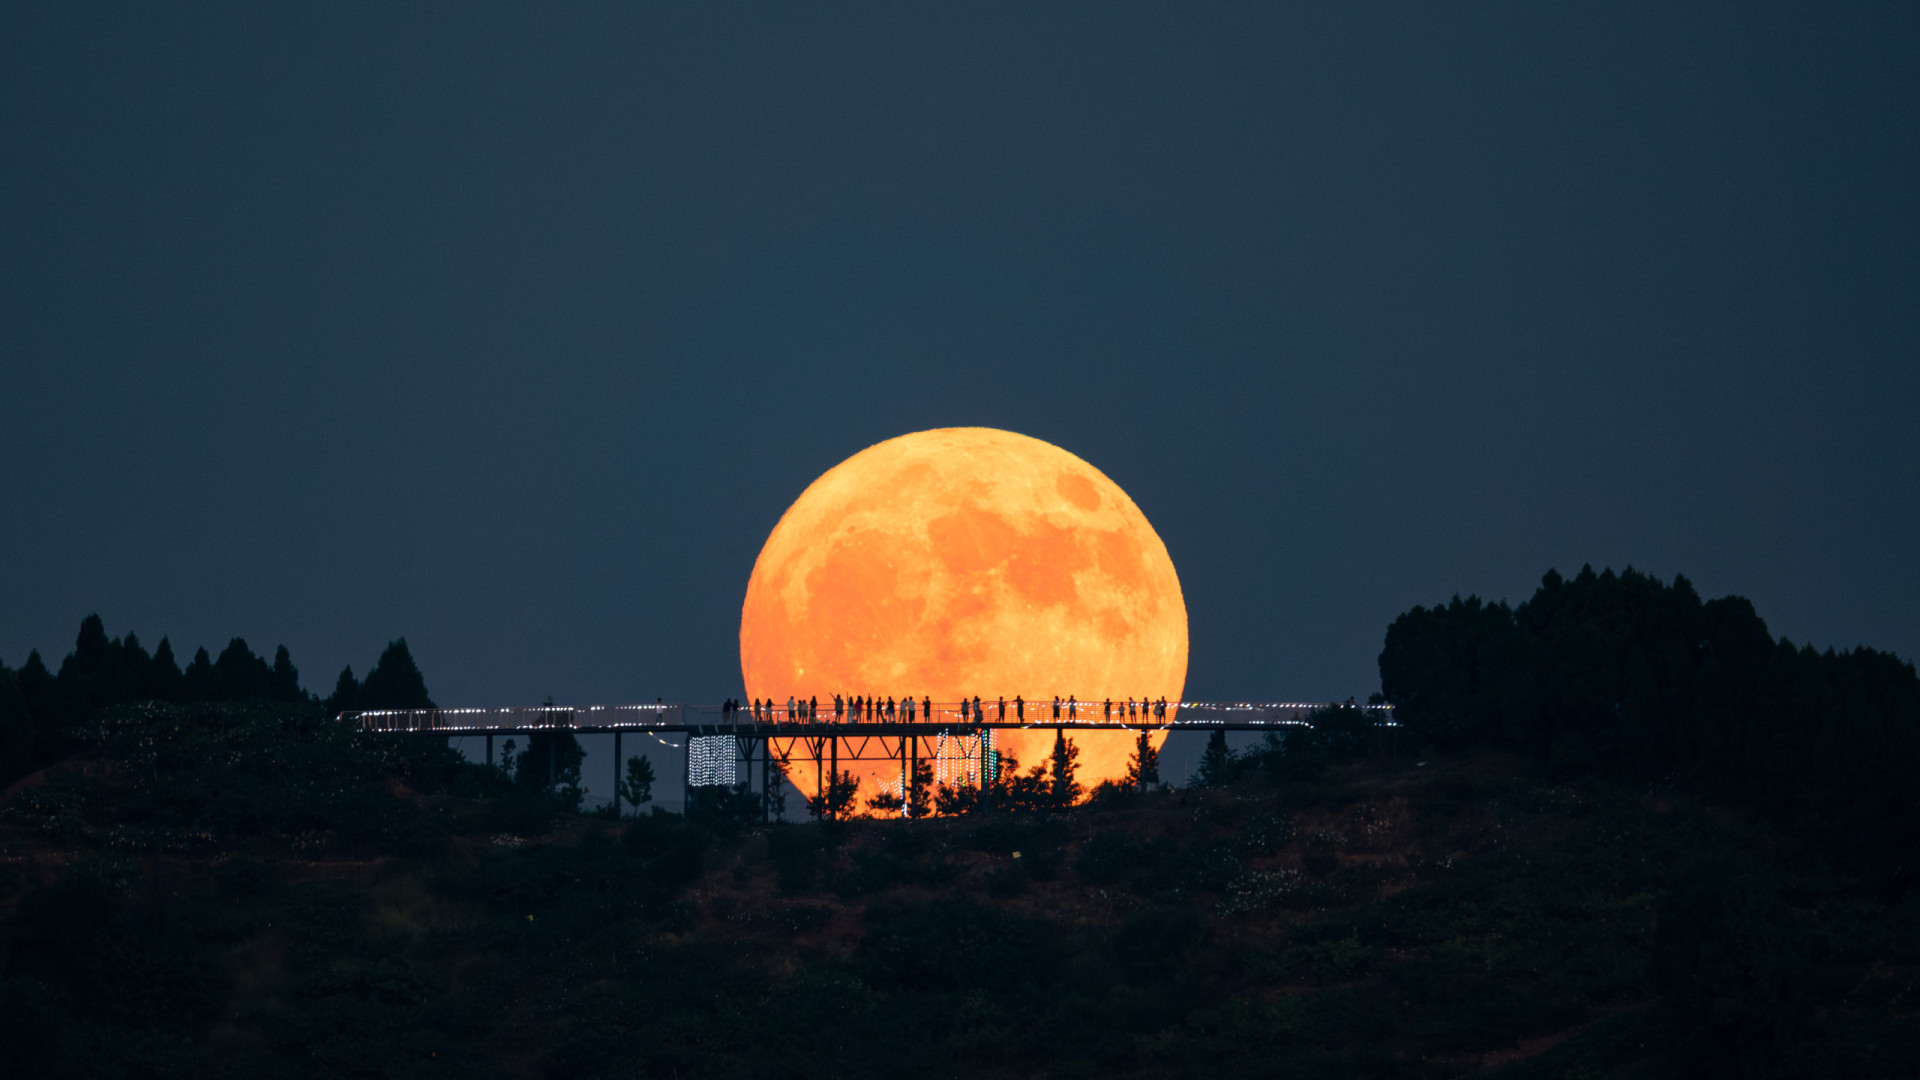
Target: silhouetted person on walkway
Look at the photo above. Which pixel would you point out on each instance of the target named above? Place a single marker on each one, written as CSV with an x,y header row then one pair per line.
x,y
1019,707
926,706
1073,707
1003,708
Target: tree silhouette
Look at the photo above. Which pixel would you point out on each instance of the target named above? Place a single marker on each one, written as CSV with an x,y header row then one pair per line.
x,y
842,789
36,682
920,790
550,765
774,800
346,693
284,682
16,729
1637,678
238,675
89,647
197,682
395,682
954,800
637,788
1143,768
1217,761
162,679
1064,790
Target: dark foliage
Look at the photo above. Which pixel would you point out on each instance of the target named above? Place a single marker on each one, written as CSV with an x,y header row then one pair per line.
x,y
46,717
1638,679
254,889
395,681
246,887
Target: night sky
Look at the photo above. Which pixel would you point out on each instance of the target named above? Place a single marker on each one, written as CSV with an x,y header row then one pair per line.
x,y
514,330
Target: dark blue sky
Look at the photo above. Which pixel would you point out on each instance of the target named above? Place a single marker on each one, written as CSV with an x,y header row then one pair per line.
x,y
514,331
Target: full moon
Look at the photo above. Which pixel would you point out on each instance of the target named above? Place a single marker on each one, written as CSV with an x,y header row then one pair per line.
x,y
967,562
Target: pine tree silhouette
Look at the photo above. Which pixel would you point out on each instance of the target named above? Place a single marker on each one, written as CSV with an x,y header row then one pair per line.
x,y
346,692
284,683
1216,761
1143,768
1066,756
161,681
395,682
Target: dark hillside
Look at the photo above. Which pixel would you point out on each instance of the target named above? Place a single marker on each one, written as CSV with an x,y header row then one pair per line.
x,y
1619,831
226,889
1624,676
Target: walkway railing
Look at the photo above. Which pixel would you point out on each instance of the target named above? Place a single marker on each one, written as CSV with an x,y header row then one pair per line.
x,y
663,717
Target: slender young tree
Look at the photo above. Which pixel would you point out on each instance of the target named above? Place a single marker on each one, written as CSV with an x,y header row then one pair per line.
x,y
1065,791
920,790
637,788
774,808
1216,761
1143,768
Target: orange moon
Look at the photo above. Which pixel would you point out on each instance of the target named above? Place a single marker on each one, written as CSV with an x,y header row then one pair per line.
x,y
962,562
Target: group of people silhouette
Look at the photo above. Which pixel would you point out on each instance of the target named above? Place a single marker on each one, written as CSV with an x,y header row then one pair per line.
x,y
854,709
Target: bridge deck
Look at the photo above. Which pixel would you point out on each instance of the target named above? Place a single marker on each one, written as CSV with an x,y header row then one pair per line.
x,y
713,720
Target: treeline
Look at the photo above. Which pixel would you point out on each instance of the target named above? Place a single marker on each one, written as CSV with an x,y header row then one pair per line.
x,y
46,715
1631,677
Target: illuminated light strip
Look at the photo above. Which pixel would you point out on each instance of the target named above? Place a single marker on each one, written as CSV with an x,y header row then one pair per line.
x,y
956,758
711,761
471,720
